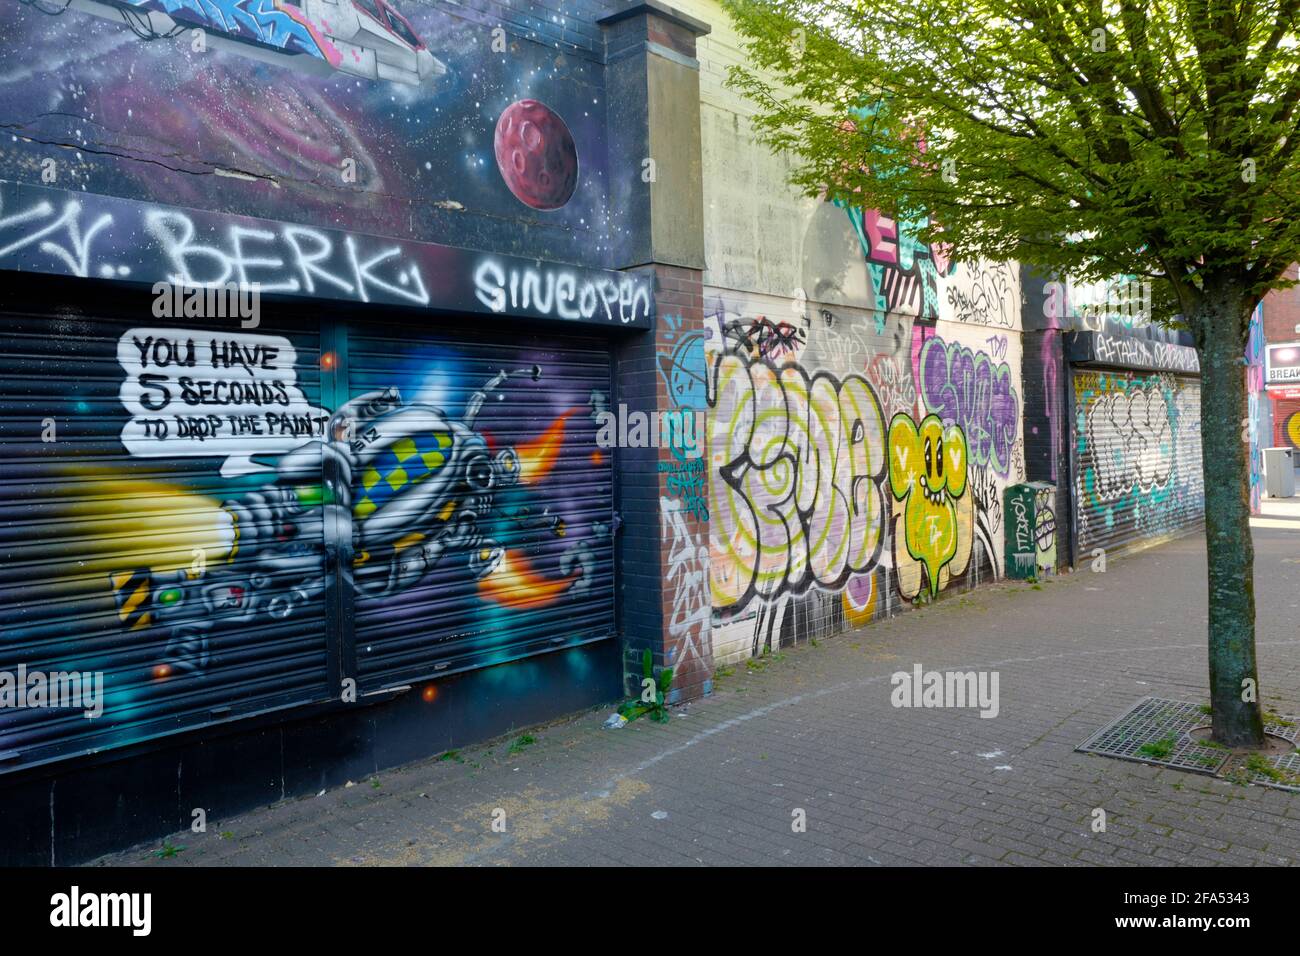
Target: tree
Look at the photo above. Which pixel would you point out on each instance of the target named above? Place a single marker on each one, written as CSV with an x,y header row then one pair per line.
x,y
1149,138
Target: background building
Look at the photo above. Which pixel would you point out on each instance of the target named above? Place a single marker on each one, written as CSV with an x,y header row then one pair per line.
x,y
1280,414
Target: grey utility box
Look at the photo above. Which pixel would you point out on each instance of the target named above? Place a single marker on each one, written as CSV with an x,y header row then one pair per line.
x,y
1279,472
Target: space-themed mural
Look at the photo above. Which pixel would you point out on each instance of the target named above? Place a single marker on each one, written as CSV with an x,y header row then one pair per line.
x,y
235,513
411,119
368,38
217,501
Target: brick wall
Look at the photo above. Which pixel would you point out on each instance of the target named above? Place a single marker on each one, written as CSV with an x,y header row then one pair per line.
x,y
640,576
663,550
683,483
1282,324
1282,312
663,498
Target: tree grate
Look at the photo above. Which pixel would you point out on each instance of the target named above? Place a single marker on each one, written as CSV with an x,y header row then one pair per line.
x,y
1157,731
1283,770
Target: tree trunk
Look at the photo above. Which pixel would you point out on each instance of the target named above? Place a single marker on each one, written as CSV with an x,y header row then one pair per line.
x,y
1234,681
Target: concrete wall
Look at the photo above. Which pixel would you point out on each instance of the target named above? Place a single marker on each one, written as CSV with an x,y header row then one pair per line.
x,y
836,345
761,234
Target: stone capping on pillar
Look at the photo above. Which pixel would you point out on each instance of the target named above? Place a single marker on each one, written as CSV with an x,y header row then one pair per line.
x,y
661,10
652,86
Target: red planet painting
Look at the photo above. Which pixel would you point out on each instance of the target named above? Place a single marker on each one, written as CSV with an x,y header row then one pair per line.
x,y
536,154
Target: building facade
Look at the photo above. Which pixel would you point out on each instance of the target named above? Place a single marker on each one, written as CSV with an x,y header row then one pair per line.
x,y
310,313
547,368
1279,414
1115,416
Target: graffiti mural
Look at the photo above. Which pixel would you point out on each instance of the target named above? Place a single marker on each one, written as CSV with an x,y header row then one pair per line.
x,y
985,293
680,362
205,506
1254,412
1031,530
971,388
1131,437
99,237
904,271
372,41
687,580
856,463
419,488
1045,528
684,505
800,468
1139,455
423,122
927,473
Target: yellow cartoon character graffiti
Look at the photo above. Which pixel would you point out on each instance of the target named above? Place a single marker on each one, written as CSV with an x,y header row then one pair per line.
x,y
927,474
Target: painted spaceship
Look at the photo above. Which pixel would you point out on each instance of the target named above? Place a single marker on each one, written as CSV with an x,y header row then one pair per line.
x,y
364,38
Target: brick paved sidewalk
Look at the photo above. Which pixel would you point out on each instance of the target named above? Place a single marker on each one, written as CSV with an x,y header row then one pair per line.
x,y
813,728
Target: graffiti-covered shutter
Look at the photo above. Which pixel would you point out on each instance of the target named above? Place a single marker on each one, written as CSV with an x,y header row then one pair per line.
x,y
481,500
1286,423
1137,457
161,553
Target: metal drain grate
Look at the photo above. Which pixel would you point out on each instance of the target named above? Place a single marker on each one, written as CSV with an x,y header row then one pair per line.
x,y
1285,772
1286,727
1158,731
1285,766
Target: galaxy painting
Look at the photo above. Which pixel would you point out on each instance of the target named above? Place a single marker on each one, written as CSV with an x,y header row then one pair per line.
x,y
404,118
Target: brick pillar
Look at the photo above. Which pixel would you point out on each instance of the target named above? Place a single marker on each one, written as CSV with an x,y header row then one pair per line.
x,y
656,190
1046,390
684,482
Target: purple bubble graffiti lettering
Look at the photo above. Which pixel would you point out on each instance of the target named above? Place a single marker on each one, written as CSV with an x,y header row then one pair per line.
x,y
972,390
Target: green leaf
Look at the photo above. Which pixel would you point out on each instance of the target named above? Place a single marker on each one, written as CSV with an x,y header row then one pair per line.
x,y
632,710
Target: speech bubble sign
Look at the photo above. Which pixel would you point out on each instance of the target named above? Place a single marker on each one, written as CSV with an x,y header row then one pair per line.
x,y
200,394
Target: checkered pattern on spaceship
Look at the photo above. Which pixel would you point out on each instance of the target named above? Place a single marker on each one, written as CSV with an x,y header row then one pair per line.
x,y
406,462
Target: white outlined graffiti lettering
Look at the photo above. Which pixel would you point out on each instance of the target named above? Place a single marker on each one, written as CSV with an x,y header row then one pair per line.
x,y
797,499
561,293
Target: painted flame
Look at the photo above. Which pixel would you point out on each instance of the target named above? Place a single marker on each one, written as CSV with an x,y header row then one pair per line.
x,y
514,584
538,457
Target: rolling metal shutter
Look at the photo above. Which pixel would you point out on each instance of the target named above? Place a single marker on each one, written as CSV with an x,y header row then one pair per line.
x,y
455,512
482,507
1137,458
1286,423
197,595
